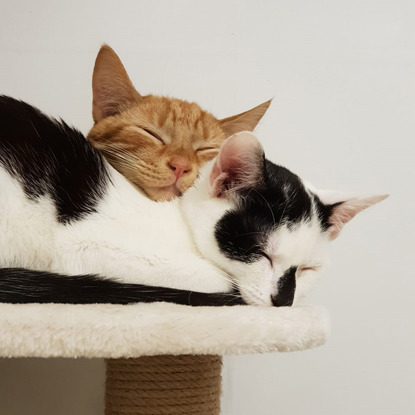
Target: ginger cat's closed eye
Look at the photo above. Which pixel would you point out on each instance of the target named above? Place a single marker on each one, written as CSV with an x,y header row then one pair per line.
x,y
158,143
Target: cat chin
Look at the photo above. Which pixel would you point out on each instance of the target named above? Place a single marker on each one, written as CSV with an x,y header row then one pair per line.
x,y
163,194
170,192
256,299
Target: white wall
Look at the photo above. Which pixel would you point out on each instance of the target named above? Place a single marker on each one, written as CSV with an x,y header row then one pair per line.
x,y
342,74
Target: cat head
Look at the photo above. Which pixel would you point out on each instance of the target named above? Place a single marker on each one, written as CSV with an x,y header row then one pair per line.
x,y
262,224
158,143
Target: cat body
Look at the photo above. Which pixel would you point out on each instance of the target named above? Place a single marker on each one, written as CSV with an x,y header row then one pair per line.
x,y
247,225
124,234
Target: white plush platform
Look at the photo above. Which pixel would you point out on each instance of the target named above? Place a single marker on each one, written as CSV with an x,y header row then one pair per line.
x,y
112,331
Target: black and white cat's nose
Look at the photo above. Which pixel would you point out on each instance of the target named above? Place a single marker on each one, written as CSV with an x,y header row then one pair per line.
x,y
286,289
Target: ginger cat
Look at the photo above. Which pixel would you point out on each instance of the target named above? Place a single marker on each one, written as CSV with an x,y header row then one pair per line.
x,y
158,143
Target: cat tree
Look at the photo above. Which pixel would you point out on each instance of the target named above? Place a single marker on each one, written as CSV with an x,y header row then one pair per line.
x,y
161,358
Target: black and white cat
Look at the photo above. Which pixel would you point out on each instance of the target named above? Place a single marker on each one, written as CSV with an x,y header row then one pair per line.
x,y
247,227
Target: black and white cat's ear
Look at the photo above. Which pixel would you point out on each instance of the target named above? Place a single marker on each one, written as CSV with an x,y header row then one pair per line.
x,y
343,208
246,121
239,164
111,86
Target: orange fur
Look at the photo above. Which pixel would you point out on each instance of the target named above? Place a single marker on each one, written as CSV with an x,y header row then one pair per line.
x,y
158,143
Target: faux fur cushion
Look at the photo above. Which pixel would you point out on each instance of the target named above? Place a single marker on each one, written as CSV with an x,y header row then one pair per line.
x,y
52,330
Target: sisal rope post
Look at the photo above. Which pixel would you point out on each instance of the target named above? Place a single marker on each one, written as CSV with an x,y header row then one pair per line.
x,y
163,385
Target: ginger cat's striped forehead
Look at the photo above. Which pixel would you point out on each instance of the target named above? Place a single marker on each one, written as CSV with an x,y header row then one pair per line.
x,y
158,143
179,124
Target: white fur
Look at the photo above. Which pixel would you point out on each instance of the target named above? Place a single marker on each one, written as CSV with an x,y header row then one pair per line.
x,y
113,331
130,238
26,227
303,246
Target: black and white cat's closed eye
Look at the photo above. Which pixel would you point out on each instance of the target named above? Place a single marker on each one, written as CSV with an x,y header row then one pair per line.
x,y
302,269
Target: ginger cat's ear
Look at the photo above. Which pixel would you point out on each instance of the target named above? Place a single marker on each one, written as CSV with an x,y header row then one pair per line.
x,y
246,121
111,86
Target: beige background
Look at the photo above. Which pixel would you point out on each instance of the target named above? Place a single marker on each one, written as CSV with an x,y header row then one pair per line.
x,y
342,77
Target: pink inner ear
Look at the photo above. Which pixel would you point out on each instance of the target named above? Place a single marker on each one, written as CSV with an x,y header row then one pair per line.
x,y
216,179
347,210
237,150
237,158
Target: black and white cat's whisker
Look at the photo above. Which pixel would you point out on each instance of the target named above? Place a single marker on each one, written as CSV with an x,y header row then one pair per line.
x,y
255,298
233,283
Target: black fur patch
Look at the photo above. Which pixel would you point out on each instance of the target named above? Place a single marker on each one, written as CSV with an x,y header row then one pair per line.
x,y
50,158
286,289
279,198
324,212
22,286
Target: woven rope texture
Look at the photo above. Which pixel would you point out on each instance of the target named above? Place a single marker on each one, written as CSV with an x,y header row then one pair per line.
x,y
164,385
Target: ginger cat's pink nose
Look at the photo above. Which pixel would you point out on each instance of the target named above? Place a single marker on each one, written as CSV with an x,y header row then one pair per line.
x,y
180,166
